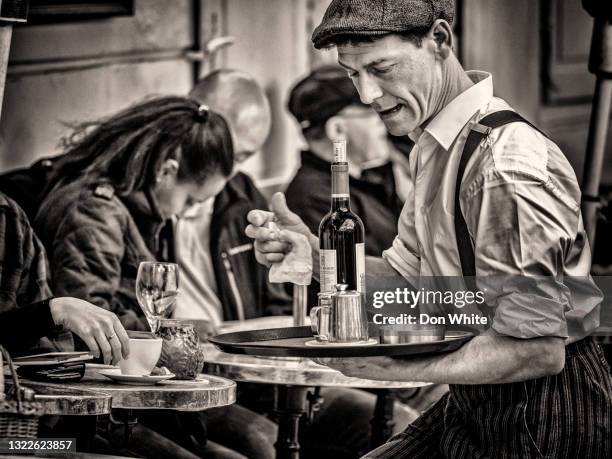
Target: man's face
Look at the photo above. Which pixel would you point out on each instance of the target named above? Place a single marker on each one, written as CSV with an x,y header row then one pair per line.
x,y
397,78
250,133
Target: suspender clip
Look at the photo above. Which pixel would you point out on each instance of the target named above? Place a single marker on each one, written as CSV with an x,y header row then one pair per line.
x,y
482,129
485,132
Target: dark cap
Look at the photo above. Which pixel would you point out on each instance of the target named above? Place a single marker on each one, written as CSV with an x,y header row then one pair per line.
x,y
379,17
321,95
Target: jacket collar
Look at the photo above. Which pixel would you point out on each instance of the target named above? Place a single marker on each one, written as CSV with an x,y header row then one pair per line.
x,y
231,193
368,176
310,159
144,209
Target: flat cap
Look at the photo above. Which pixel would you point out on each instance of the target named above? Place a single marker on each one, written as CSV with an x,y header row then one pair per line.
x,y
379,17
321,95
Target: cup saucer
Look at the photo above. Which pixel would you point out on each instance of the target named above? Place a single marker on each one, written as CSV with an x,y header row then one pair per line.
x,y
137,380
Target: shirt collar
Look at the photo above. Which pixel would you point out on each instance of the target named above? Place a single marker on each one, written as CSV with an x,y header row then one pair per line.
x,y
448,123
198,209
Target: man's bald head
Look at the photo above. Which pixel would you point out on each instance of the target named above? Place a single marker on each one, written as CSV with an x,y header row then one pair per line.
x,y
242,102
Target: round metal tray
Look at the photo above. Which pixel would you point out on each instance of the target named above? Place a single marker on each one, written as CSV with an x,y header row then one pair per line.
x,y
291,342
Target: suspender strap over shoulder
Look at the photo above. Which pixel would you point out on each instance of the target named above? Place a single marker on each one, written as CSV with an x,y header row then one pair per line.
x,y
477,134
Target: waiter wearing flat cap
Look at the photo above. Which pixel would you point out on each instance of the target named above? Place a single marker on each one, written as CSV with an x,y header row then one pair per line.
x,y
493,198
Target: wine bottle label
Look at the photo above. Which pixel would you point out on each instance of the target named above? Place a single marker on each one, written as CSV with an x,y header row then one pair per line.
x,y
328,270
360,266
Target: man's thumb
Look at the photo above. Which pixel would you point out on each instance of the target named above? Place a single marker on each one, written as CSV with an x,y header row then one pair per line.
x,y
281,211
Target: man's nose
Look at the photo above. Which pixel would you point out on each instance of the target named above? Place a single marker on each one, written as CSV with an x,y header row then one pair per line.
x,y
368,90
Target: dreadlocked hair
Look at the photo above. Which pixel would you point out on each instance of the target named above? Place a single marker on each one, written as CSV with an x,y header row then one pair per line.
x,y
129,148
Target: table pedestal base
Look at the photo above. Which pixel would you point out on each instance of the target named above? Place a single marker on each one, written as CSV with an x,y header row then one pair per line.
x,y
382,421
291,406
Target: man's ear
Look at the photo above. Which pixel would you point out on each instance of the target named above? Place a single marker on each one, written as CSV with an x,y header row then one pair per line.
x,y
442,34
335,128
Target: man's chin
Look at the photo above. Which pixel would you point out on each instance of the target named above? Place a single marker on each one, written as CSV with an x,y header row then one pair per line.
x,y
398,128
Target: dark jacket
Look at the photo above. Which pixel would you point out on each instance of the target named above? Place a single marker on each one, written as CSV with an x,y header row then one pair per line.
x,y
242,282
22,327
95,245
373,198
96,240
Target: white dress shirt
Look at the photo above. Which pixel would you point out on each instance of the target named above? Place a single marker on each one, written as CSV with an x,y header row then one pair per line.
x,y
520,199
198,297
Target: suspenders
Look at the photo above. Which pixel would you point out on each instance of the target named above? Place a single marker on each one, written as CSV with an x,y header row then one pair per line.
x,y
478,133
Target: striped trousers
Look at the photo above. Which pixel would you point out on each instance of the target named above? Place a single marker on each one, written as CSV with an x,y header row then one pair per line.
x,y
568,415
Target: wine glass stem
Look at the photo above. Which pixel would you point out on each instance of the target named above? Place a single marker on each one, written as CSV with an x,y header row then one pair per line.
x,y
154,324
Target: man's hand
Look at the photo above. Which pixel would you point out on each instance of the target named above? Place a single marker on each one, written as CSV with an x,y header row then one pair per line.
x,y
99,328
269,247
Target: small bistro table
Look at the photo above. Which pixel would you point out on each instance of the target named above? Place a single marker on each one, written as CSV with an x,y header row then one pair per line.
x,y
214,392
294,377
92,397
59,399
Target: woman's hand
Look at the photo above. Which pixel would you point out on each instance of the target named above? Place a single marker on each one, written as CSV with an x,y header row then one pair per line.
x,y
99,328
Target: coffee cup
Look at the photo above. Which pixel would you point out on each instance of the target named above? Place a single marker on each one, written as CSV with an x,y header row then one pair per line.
x,y
144,355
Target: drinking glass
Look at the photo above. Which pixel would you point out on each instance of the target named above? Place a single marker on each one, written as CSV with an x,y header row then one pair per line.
x,y
156,290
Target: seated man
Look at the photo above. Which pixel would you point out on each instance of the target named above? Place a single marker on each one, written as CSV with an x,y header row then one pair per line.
x,y
219,227
327,106
220,279
28,312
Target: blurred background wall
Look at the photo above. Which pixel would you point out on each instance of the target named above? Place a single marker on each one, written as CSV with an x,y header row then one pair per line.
x,y
61,72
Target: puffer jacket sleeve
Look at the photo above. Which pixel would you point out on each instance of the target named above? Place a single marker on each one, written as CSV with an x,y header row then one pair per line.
x,y
88,253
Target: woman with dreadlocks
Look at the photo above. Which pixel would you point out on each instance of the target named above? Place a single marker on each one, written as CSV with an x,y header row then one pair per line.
x,y
116,187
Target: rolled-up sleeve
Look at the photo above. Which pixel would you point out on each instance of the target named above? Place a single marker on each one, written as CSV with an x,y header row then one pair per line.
x,y
523,224
403,254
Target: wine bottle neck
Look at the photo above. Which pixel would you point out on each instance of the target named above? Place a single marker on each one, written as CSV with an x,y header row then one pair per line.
x,y
340,186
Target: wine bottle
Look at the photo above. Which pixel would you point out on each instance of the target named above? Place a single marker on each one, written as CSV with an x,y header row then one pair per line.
x,y
341,233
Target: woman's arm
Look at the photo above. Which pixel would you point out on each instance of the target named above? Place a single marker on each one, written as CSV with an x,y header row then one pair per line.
x,y
86,258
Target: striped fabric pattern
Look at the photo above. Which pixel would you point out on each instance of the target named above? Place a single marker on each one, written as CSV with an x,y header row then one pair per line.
x,y
568,415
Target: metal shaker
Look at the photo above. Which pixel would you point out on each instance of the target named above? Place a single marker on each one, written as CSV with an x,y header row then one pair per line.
x,y
348,321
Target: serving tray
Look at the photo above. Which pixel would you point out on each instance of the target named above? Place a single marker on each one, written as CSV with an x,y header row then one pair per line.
x,y
291,342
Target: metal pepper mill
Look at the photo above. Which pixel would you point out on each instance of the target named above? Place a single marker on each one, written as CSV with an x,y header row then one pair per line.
x,y
600,64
